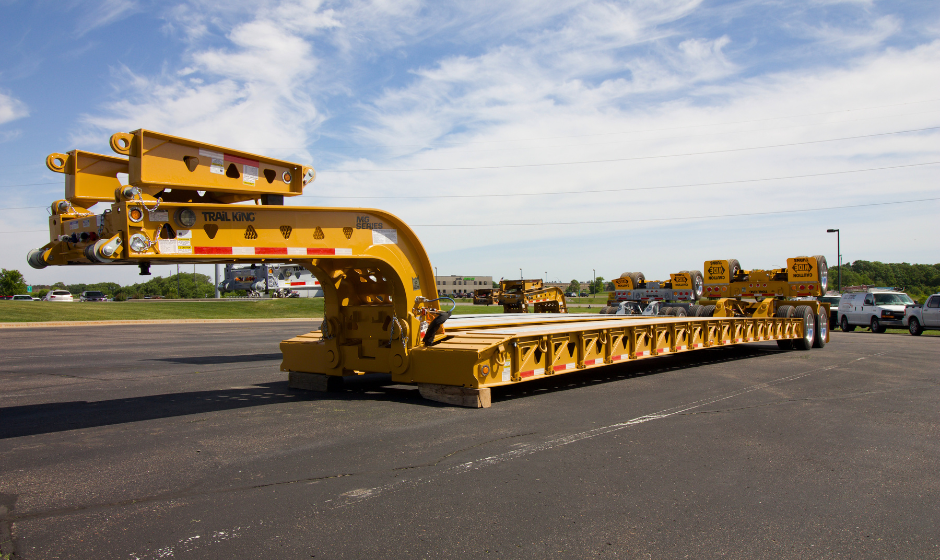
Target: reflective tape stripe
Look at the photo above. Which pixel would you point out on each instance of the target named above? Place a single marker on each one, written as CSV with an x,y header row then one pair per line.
x,y
563,367
271,251
532,372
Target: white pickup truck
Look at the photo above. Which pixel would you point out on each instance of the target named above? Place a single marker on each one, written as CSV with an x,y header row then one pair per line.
x,y
919,318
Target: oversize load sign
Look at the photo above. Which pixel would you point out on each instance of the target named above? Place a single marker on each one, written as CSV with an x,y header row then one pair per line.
x,y
717,271
801,269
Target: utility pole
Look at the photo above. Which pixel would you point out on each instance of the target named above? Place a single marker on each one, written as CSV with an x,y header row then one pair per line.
x,y
838,254
217,294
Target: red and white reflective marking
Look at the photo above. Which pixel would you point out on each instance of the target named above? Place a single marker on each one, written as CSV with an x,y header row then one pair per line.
x,y
618,357
697,345
594,362
532,372
564,367
303,284
661,350
296,251
739,340
681,348
642,353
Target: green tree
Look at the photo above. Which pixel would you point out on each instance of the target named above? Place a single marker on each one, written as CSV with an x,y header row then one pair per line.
x,y
599,285
11,282
574,287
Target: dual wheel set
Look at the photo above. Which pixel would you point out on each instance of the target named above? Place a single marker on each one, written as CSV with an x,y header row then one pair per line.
x,y
815,328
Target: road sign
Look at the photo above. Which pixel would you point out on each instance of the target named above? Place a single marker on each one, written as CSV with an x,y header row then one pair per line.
x,y
29,289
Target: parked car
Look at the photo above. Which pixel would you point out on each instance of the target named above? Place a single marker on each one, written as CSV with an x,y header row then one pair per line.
x,y
919,318
58,295
875,309
92,296
833,301
22,298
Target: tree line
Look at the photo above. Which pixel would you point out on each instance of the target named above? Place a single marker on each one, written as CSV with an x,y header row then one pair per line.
x,y
918,280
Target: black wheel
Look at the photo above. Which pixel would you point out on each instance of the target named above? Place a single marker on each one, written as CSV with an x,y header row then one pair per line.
x,y
785,311
806,313
914,326
636,278
680,312
698,284
696,310
823,271
845,326
733,268
822,330
708,311
875,325
668,311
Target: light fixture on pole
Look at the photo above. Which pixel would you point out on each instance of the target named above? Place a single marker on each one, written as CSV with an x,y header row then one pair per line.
x,y
594,284
520,274
838,254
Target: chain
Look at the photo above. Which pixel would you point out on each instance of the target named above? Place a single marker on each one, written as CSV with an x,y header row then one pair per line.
x,y
71,210
325,329
401,332
139,197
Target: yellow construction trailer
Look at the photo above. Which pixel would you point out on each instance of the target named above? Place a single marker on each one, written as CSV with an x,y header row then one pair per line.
x,y
517,296
187,202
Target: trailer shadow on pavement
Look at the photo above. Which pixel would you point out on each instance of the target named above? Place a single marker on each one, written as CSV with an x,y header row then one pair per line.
x,y
48,418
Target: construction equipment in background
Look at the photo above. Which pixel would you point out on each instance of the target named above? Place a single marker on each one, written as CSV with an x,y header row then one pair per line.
x,y
279,280
680,292
486,296
382,312
779,292
516,296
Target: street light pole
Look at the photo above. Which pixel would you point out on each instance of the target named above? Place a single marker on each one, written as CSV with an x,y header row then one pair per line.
x,y
520,274
594,283
838,254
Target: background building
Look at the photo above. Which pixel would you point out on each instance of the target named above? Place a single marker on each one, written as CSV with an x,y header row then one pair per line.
x,y
448,285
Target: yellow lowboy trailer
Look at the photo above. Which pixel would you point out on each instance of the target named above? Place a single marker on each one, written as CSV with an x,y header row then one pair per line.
x,y
382,311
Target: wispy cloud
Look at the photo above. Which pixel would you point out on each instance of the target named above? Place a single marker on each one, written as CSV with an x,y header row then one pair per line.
x,y
11,108
420,85
101,13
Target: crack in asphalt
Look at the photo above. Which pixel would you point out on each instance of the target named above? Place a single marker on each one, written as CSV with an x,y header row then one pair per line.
x,y
6,517
804,399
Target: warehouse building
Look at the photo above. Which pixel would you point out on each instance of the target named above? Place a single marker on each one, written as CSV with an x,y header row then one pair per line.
x,y
449,285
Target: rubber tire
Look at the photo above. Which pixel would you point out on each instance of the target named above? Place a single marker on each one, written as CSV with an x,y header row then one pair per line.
x,y
697,294
806,313
680,312
913,326
785,311
875,326
696,310
819,340
708,311
636,278
733,268
669,311
822,259
845,326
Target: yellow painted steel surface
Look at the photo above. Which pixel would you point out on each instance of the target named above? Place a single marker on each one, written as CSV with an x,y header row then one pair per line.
x,y
378,283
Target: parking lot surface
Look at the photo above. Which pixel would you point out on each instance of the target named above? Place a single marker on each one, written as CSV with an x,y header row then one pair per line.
x,y
183,441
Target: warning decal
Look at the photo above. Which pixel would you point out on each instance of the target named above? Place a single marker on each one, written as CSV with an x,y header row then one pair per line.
x,y
384,237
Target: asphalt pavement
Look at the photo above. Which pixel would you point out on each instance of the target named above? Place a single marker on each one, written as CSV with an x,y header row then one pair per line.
x,y
184,441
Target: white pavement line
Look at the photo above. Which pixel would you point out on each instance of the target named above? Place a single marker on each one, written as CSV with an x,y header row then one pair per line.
x,y
352,497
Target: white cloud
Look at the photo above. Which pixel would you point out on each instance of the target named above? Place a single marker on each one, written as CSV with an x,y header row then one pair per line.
x,y
872,34
100,13
11,108
556,82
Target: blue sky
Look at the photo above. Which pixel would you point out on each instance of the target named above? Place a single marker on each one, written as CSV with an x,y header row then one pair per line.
x,y
739,107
